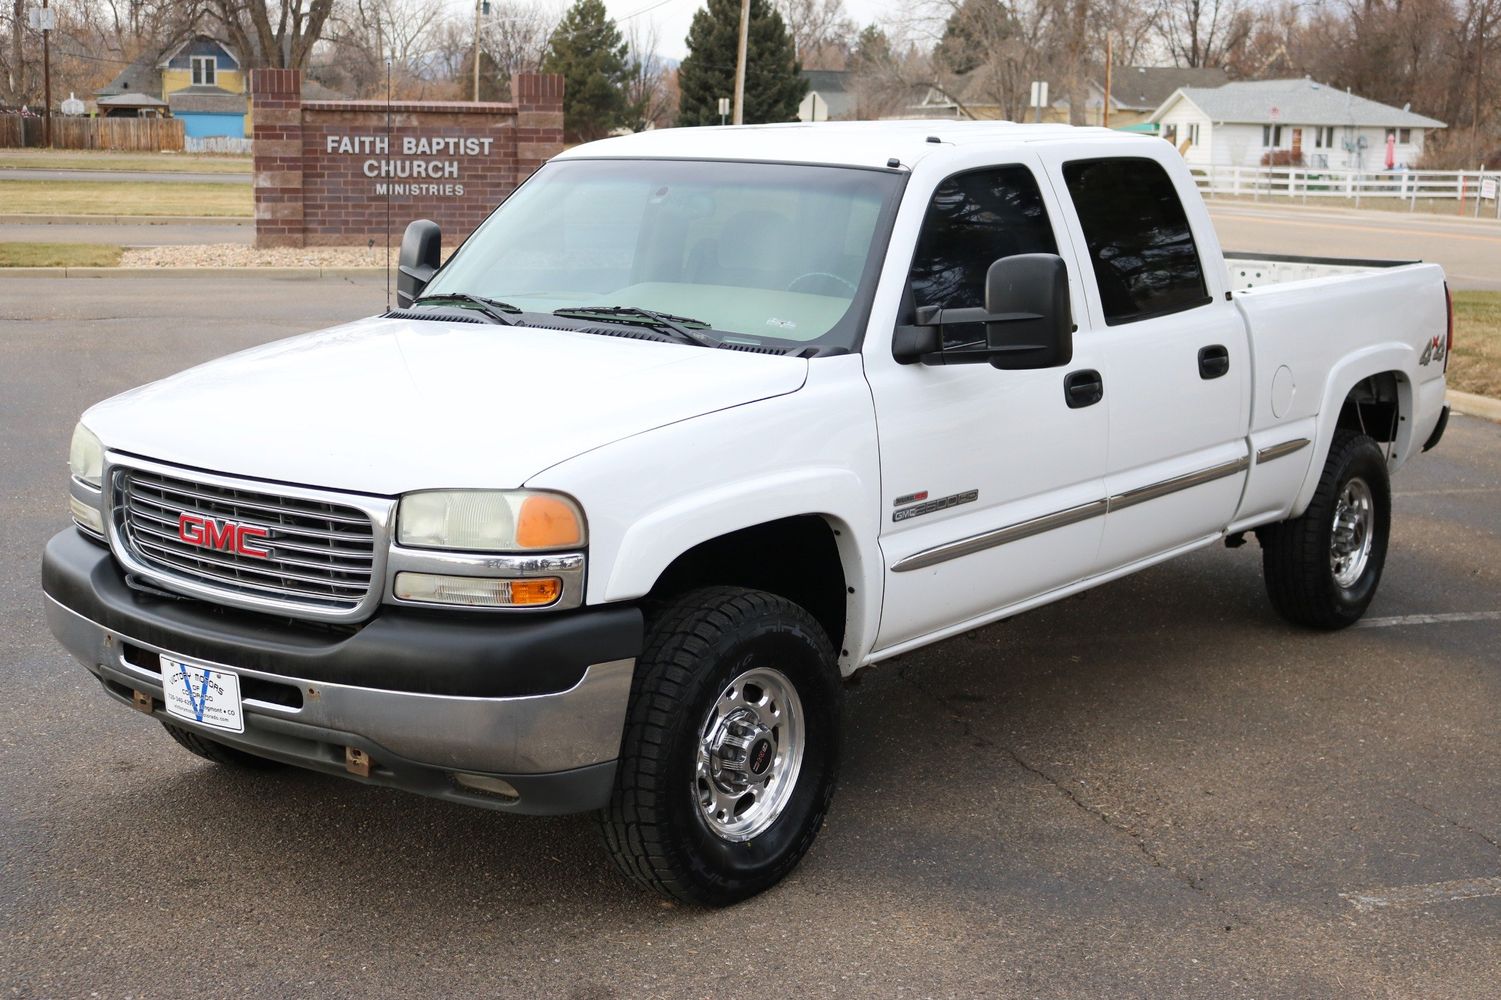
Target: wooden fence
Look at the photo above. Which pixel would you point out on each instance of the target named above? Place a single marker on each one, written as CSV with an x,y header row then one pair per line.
x,y
132,134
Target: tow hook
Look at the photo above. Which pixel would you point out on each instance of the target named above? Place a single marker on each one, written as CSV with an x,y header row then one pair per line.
x,y
357,762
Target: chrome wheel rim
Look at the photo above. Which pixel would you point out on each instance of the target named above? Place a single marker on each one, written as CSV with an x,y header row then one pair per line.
x,y
750,750
1350,541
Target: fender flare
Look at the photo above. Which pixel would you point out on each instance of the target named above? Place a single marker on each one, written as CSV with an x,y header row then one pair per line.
x,y
1392,356
652,542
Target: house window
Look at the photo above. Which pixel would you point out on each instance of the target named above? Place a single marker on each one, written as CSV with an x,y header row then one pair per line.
x,y
1323,137
1170,133
1193,134
1404,135
1271,136
205,69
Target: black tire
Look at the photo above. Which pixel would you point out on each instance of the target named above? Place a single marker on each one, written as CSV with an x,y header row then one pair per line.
x,y
696,646
217,752
1296,554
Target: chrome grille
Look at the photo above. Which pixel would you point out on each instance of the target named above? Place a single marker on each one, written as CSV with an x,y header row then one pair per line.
x,y
321,555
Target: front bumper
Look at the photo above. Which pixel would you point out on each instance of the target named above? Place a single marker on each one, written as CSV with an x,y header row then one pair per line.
x,y
539,704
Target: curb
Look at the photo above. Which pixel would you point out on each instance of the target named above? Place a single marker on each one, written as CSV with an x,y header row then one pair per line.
x,y
22,219
189,272
1474,406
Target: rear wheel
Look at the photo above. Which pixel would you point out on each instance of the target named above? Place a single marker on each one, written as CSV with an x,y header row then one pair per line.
x,y
1322,568
731,744
217,752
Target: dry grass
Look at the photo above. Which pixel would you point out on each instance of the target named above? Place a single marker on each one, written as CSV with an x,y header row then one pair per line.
x,y
124,198
1476,364
73,159
58,255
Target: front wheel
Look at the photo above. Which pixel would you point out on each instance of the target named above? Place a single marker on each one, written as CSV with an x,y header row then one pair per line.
x,y
1322,568
730,750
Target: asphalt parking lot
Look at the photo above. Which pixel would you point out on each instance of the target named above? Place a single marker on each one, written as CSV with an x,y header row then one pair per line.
x,y
1155,789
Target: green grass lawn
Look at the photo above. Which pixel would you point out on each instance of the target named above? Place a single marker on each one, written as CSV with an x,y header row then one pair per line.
x,y
1476,363
76,159
58,255
124,198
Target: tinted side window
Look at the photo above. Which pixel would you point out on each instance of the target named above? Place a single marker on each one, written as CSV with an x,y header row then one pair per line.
x,y
974,219
1143,253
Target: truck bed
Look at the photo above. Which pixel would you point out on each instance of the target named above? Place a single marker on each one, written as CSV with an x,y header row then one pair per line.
x,y
1251,270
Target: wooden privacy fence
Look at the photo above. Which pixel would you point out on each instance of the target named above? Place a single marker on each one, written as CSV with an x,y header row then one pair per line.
x,y
130,134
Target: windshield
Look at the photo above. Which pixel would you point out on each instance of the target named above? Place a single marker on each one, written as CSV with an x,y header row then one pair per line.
x,y
760,252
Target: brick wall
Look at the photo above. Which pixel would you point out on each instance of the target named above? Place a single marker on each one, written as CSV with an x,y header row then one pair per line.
x,y
324,170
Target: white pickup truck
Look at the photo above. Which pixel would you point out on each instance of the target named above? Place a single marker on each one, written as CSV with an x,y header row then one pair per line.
x,y
699,423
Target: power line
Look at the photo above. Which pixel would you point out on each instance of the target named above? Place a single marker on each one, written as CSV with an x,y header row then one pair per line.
x,y
643,10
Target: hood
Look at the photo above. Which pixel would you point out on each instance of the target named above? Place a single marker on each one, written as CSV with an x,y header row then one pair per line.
x,y
387,406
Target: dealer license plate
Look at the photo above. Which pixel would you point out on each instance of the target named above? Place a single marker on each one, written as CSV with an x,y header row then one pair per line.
x,y
196,693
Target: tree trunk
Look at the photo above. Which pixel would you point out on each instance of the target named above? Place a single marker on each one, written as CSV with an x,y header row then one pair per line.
x,y
16,78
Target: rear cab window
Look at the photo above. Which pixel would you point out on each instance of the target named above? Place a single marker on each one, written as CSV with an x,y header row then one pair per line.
x,y
1140,245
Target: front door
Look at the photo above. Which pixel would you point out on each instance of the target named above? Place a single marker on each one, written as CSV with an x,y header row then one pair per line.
x,y
991,481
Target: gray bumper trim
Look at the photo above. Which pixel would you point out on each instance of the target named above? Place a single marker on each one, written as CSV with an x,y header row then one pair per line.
x,y
538,734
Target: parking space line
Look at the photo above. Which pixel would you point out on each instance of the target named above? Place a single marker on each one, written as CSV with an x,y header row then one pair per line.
x,y
1418,895
1439,619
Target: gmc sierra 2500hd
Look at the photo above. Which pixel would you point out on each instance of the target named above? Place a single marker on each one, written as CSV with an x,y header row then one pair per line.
x,y
700,421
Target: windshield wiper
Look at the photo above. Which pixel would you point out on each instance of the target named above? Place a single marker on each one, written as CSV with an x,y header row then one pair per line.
x,y
682,328
500,312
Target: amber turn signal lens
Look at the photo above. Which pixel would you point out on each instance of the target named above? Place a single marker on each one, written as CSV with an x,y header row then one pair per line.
x,y
547,523
531,593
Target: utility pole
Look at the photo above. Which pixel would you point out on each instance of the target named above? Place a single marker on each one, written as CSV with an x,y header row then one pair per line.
x,y
476,49
46,74
1105,113
740,63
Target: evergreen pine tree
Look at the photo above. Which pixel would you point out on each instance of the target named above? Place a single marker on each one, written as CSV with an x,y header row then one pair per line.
x,y
773,86
588,50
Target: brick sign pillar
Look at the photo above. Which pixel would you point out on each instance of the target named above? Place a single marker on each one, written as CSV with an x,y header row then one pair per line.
x,y
326,172
276,106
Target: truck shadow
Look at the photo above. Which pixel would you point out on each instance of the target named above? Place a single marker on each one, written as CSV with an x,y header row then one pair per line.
x,y
370,854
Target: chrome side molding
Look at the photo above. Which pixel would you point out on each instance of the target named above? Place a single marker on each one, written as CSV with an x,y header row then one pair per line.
x,y
1142,494
1272,451
999,536
1072,515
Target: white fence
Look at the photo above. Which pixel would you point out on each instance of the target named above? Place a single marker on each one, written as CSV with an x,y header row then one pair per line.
x,y
216,144
1310,182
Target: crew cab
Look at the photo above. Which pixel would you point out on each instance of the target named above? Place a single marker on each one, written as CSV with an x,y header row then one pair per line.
x,y
700,422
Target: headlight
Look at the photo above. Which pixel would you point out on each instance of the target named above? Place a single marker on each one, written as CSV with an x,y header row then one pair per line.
x,y
485,521
86,457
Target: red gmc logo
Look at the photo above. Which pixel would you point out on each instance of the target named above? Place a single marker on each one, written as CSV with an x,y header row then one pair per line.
x,y
227,536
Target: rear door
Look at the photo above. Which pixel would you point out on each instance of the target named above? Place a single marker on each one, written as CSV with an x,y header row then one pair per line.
x,y
1175,354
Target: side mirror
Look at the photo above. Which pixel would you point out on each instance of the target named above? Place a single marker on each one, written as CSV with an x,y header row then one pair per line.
x,y
421,253
1027,318
1030,324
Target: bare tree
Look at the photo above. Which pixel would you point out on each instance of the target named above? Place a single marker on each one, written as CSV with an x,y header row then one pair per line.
x,y
822,32
514,39
275,33
647,92
1202,32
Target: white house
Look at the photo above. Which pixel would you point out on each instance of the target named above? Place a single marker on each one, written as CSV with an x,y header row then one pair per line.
x,y
1251,122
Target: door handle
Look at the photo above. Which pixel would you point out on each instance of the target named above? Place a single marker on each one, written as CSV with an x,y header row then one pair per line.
x,y
1214,361
1083,388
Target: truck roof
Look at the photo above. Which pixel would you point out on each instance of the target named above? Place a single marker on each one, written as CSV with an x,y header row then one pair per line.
x,y
861,144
